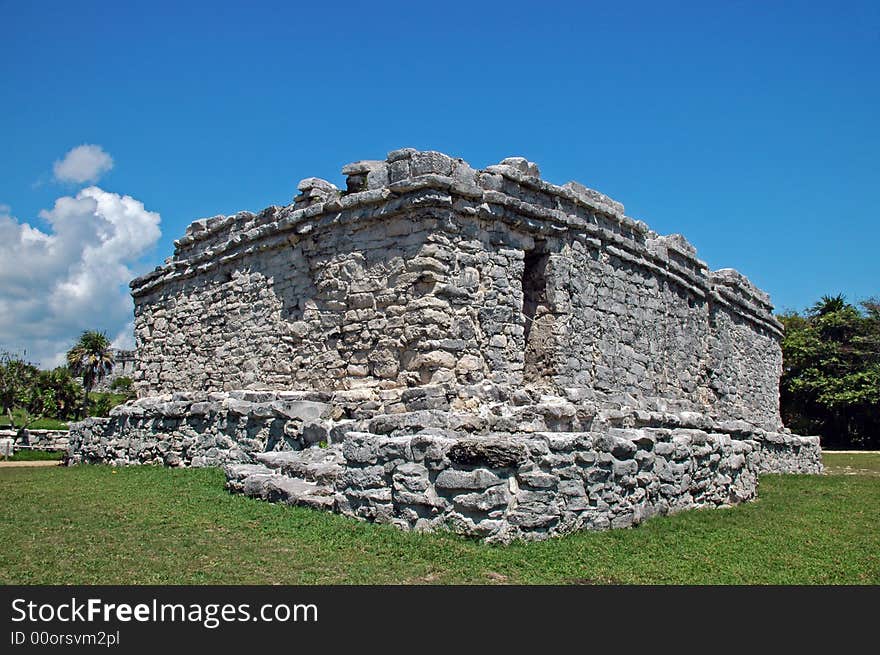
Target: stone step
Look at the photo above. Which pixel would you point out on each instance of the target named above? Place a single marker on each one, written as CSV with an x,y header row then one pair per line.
x,y
320,465
241,471
294,491
249,484
247,479
296,477
276,459
320,473
277,488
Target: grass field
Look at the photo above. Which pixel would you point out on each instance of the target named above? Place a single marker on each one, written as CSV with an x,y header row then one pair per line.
x,y
39,424
853,463
36,456
98,525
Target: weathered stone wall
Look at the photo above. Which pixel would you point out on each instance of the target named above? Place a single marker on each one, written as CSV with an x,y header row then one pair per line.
x,y
211,428
320,314
217,428
429,272
631,330
533,486
787,453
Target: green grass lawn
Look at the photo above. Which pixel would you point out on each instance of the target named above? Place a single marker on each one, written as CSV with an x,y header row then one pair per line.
x,y
39,424
853,463
144,525
35,456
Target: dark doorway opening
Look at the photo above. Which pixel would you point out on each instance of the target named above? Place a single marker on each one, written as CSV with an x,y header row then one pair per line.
x,y
536,316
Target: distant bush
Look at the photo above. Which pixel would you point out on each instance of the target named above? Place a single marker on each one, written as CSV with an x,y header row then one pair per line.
x,y
100,404
831,372
29,396
122,384
57,394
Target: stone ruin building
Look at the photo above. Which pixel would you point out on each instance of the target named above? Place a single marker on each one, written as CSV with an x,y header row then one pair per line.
x,y
436,346
123,366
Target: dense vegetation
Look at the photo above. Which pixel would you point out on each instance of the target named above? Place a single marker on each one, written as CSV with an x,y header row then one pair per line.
x,y
831,373
152,525
32,398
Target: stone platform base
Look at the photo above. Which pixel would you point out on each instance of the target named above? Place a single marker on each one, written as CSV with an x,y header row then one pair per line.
x,y
504,488
500,472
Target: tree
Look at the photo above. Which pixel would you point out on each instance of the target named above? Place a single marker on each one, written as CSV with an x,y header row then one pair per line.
x,y
58,392
28,394
828,305
16,386
92,359
831,372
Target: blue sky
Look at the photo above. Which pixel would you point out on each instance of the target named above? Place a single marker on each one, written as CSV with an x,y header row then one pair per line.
x,y
749,127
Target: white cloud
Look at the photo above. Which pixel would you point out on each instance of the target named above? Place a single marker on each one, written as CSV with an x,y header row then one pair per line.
x,y
85,163
124,340
74,277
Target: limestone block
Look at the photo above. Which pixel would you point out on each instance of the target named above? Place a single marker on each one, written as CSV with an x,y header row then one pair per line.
x,y
491,452
491,498
458,479
304,410
411,477
360,448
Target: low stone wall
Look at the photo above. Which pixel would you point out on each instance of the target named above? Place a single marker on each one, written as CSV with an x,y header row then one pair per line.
x,y
497,471
781,453
534,486
41,439
201,429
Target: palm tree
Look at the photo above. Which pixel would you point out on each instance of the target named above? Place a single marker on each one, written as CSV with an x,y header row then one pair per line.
x,y
92,359
829,305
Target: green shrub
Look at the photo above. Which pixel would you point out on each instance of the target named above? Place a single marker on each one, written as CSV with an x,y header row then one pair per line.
x,y
100,404
122,384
